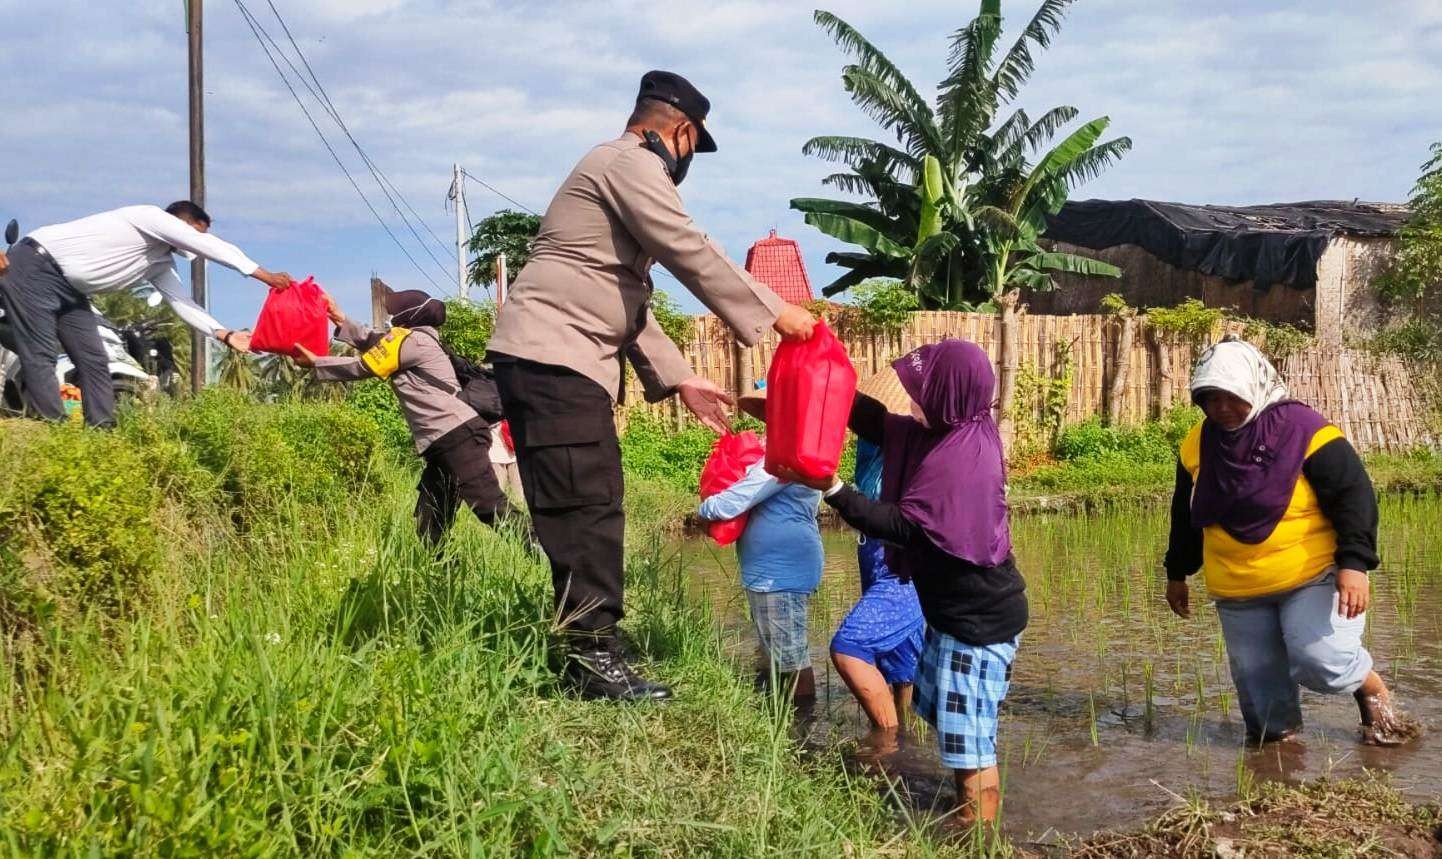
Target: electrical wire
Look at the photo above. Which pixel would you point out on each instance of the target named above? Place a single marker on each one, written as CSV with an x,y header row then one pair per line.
x,y
488,187
254,28
323,99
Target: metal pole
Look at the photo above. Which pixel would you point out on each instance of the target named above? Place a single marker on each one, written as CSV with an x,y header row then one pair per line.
x,y
460,234
199,357
503,280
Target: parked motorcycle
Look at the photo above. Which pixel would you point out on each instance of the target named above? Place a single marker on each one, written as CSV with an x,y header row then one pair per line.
x,y
129,376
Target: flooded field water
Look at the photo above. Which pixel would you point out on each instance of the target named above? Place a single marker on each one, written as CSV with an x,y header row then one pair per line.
x,y
1117,707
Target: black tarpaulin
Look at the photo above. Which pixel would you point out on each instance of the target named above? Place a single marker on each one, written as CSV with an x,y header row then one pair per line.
x,y
1266,244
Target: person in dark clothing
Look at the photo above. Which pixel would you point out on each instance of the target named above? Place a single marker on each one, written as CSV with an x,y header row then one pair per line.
x,y
1275,506
943,511
450,435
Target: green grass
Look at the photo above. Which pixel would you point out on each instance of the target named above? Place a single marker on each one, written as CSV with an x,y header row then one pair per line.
x,y
322,686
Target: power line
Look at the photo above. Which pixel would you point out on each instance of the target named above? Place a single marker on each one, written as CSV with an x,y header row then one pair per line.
x,y
256,30
488,187
325,100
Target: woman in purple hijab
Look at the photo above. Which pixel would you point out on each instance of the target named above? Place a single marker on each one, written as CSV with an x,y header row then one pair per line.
x,y
1276,508
943,514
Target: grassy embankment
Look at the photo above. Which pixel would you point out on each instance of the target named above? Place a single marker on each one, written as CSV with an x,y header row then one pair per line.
x,y
221,637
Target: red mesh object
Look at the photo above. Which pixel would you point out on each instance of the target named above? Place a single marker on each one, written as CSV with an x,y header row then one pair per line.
x,y
731,455
777,263
290,316
809,390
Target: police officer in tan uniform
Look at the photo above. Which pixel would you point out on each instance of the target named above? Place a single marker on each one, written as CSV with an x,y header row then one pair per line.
x,y
577,311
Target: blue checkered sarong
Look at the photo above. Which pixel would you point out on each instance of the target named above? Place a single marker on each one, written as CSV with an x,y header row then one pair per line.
x,y
780,619
959,688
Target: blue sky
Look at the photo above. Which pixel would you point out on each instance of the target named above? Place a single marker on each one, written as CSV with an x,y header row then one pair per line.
x,y
1226,102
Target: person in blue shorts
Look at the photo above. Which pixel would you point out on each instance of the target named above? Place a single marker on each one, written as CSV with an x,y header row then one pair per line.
x,y
877,646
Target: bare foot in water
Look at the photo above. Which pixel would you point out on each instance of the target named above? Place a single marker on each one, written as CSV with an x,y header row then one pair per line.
x,y
1382,725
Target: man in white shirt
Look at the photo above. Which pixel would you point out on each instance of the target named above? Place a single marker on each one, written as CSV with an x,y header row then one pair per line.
x,y
54,270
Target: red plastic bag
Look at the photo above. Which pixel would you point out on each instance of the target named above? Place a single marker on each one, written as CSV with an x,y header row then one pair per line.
x,y
507,438
731,455
809,390
290,316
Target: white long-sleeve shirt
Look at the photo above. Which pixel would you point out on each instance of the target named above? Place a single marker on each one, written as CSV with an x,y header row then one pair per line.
x,y
124,247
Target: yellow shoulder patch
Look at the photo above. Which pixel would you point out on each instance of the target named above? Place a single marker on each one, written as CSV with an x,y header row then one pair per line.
x,y
385,357
1191,450
1325,435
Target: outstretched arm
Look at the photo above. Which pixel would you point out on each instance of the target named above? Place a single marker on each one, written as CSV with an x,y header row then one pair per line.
x,y
748,492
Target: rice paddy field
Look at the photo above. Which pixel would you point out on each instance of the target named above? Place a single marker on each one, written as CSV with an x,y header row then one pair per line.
x,y
1118,709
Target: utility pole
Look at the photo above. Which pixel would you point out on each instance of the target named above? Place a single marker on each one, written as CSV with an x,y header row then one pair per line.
x,y
503,280
460,233
199,357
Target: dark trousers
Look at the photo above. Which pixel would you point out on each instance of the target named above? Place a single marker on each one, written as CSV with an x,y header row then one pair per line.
x,y
46,313
570,464
458,468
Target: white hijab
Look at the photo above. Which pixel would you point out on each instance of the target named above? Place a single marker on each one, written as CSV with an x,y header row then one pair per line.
x,y
1240,369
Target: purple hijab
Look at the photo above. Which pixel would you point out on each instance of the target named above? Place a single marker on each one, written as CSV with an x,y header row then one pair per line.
x,y
1248,475
947,476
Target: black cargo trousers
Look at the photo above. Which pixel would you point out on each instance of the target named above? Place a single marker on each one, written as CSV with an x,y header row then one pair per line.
x,y
458,468
570,462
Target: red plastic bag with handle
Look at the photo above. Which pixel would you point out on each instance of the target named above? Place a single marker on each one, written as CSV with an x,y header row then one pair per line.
x,y
293,315
809,390
731,455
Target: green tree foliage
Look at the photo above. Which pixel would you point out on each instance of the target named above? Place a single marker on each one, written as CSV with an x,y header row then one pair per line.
x,y
678,325
239,371
956,208
468,327
1417,267
879,305
506,232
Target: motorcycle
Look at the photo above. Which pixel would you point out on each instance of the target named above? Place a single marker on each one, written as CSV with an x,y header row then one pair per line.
x,y
130,377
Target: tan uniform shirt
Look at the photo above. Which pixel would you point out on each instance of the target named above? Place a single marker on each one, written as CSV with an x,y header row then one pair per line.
x,y
583,299
424,381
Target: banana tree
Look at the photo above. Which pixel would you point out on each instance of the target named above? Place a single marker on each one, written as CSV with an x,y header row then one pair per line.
x,y
1028,194
940,214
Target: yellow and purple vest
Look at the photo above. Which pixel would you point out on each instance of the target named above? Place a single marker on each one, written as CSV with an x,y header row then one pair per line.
x,y
1299,548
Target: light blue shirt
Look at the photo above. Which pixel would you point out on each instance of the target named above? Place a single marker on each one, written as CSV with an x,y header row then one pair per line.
x,y
780,550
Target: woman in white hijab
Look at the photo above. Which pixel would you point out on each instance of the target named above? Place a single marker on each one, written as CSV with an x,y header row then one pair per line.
x,y
1275,506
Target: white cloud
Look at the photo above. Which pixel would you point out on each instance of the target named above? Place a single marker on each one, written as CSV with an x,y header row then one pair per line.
x,y
1224,103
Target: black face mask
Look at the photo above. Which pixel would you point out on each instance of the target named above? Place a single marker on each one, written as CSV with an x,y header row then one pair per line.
x,y
676,169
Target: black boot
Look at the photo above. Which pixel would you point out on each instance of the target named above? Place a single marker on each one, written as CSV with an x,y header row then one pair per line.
x,y
596,669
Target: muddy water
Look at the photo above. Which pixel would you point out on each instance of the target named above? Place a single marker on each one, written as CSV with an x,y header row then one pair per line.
x,y
1116,706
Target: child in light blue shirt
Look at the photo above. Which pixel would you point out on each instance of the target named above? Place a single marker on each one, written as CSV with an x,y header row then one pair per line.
x,y
780,557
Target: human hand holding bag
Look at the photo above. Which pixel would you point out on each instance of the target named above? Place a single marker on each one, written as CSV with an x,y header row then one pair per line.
x,y
297,315
809,387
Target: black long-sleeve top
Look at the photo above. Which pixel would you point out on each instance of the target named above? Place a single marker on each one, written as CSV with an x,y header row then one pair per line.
x,y
978,605
1344,492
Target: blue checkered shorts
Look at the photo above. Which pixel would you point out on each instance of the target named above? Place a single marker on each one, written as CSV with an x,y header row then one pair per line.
x,y
958,690
781,623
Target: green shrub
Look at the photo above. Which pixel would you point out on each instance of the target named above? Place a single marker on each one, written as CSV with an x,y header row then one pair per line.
x,y
374,399
1151,442
651,448
267,455
81,519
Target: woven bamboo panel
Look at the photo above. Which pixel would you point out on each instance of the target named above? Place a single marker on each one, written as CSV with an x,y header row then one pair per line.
x,y
1371,399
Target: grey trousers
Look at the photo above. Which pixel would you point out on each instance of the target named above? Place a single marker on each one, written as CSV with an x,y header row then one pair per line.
x,y
46,313
1278,642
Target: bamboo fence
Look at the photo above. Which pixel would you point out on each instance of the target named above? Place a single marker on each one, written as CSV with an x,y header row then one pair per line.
x,y
1371,398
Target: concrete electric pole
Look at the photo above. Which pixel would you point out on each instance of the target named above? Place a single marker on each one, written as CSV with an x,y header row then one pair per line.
x,y
199,357
456,191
